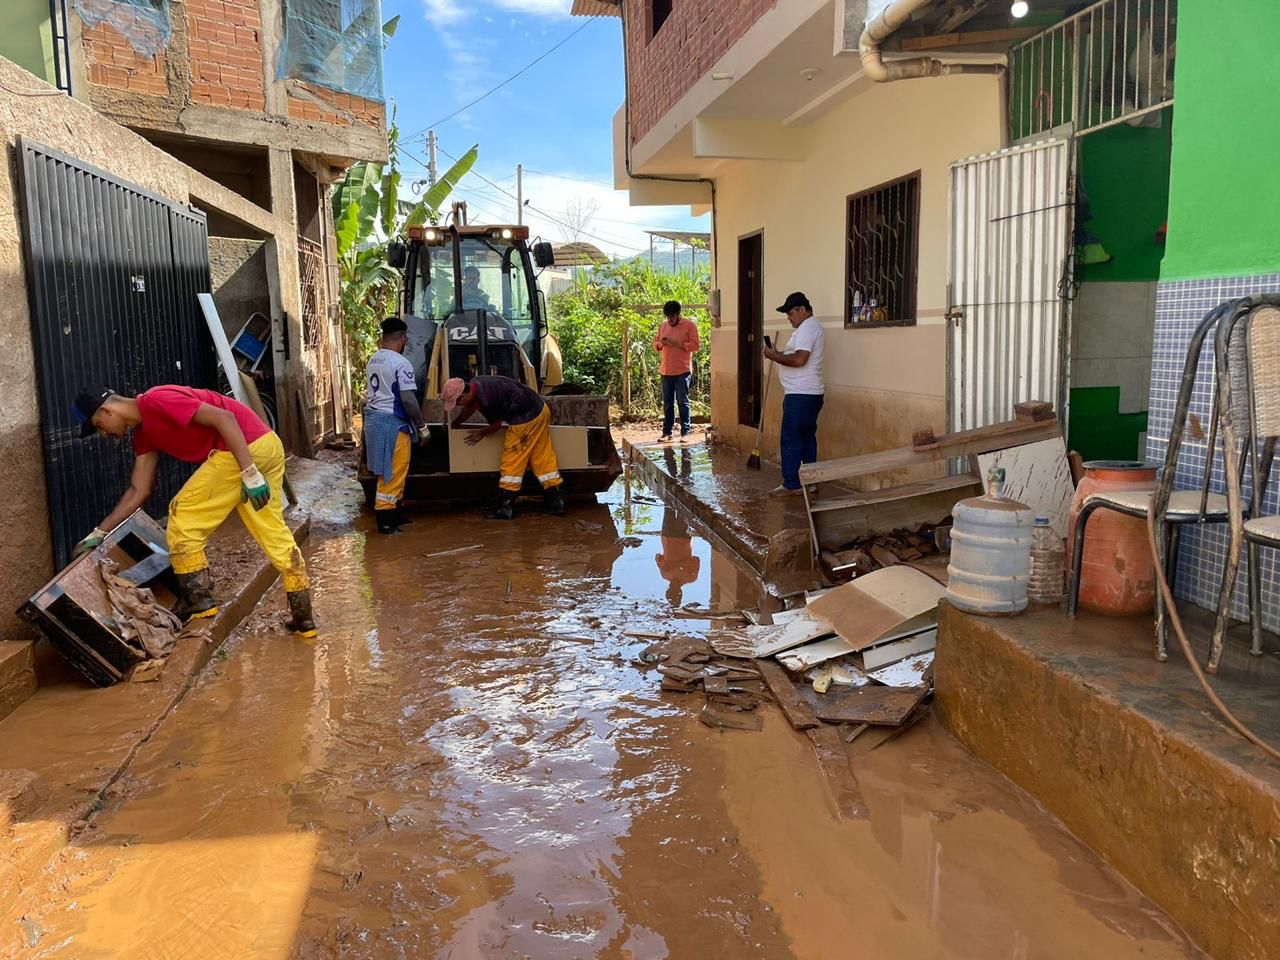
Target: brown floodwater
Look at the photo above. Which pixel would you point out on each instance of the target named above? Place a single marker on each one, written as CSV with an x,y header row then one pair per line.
x,y
469,763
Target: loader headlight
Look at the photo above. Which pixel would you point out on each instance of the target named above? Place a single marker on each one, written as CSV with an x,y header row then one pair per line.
x,y
430,235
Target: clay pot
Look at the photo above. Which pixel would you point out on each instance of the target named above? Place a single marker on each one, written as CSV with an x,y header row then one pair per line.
x,y
1117,576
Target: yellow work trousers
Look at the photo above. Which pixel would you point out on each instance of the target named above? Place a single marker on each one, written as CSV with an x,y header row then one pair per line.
x,y
528,445
392,492
213,492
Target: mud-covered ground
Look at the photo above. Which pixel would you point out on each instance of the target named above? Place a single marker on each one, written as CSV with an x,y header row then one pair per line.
x,y
469,763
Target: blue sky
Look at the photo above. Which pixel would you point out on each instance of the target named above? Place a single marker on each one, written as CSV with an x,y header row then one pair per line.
x,y
556,119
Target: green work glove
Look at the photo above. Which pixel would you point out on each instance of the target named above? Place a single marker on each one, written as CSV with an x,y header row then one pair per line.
x,y
253,487
94,539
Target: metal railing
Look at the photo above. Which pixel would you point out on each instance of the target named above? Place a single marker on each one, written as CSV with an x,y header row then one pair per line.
x,y
1110,63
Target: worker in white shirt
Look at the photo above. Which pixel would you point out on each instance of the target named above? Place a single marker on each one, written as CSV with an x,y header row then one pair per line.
x,y
800,373
392,422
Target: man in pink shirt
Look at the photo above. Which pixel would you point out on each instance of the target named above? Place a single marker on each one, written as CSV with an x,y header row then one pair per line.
x,y
677,341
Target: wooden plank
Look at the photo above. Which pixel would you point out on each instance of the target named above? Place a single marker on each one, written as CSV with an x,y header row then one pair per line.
x,y
905,491
883,706
569,443
1011,433
835,528
841,782
1039,475
867,608
787,694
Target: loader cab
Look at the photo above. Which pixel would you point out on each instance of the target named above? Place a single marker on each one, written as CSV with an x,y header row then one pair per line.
x,y
474,292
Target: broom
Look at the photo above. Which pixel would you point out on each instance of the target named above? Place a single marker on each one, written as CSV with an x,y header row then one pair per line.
x,y
753,461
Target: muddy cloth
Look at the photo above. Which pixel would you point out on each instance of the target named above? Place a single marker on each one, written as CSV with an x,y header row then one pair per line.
x,y
145,624
382,432
503,400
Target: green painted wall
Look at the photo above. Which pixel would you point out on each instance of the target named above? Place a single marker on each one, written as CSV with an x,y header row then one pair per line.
x,y
25,37
1224,203
1098,431
1125,172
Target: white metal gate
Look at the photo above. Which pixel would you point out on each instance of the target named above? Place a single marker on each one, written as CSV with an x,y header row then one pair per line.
x,y
1010,273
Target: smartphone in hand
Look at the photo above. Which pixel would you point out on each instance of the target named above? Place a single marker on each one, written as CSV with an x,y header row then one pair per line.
x,y
768,342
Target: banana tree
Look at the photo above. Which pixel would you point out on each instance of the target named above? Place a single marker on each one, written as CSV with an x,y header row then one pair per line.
x,y
367,214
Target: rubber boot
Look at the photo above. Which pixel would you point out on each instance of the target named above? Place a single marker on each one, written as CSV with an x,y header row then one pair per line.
x,y
300,621
402,518
554,500
387,524
195,596
506,508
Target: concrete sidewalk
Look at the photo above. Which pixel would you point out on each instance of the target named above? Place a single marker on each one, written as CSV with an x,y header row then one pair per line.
x,y
769,534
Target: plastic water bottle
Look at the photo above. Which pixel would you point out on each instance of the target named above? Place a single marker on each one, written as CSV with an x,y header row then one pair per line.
x,y
1048,562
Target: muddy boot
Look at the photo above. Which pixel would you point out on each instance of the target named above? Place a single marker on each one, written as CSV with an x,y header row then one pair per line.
x,y
300,621
195,596
554,501
402,518
387,524
506,508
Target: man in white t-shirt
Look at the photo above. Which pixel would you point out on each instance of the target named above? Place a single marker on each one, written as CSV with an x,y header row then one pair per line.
x,y
392,421
800,372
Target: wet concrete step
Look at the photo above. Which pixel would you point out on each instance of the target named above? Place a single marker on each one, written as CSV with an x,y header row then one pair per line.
x,y
17,674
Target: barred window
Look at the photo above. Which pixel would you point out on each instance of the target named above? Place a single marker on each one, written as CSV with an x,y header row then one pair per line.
x,y
882,248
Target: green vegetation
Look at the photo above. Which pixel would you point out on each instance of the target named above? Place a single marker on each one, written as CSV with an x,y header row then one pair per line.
x,y
367,214
621,302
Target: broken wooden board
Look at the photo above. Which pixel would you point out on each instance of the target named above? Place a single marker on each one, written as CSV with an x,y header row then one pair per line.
x,y
766,641
836,521
869,610
730,719
833,758
883,706
883,654
998,436
911,672
1039,475
787,694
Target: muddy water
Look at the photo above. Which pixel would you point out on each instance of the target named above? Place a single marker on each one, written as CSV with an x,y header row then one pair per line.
x,y
467,764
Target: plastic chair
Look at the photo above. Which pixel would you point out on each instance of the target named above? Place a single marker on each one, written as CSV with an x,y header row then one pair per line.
x,y
1174,508
1251,375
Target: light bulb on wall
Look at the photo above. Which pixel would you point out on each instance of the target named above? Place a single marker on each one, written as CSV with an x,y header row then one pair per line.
x,y
1019,9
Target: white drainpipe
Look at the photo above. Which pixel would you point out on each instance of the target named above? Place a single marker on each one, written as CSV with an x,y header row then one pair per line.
x,y
881,27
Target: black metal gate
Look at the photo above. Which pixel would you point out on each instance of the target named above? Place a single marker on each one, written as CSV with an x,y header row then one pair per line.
x,y
112,277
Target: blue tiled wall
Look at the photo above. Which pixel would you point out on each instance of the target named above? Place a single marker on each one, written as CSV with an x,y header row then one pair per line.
x,y
1180,307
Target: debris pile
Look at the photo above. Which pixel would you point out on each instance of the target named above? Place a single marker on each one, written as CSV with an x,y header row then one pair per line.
x,y
734,690
148,627
874,551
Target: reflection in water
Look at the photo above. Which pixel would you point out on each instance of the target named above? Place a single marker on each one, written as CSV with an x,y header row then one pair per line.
x,y
469,765
686,462
676,562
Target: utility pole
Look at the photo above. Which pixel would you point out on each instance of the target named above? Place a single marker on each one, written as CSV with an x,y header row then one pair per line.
x,y
431,158
520,194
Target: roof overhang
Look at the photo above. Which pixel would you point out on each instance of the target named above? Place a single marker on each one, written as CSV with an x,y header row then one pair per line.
x,y
595,8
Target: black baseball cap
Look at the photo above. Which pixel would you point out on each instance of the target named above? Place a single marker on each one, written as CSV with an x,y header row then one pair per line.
x,y
87,403
393,325
794,300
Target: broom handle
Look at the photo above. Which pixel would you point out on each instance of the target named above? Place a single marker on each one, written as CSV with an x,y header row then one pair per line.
x,y
764,401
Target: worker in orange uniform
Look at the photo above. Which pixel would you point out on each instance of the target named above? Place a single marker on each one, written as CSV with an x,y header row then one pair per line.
x,y
677,341
527,418
241,468
392,422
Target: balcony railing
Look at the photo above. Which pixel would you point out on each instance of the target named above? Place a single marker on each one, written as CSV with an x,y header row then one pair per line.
x,y
1110,63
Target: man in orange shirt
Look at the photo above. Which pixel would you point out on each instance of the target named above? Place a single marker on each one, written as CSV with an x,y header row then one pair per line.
x,y
677,341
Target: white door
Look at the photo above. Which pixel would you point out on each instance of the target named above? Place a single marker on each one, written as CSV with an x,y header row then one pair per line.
x,y
1010,282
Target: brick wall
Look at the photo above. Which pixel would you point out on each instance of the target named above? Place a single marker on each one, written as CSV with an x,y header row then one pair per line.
x,y
662,67
225,41
346,108
111,62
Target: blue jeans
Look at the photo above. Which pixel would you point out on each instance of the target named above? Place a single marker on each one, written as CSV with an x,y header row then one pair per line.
x,y
675,390
799,437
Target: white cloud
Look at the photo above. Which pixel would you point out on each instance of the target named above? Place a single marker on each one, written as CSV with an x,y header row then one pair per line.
x,y
444,12
617,227
537,8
